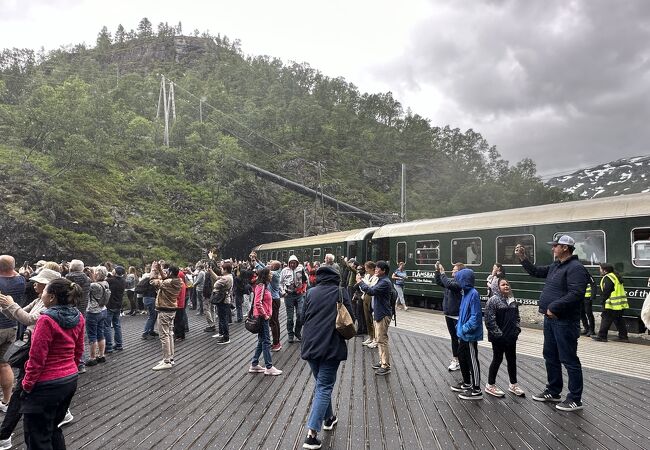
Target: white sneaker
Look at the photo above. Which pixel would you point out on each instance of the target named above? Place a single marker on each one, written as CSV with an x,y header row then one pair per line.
x,y
216,335
454,365
492,389
67,419
373,344
366,342
5,444
515,389
272,371
4,406
162,365
256,369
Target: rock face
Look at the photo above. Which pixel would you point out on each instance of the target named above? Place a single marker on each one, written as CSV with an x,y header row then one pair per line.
x,y
624,176
141,52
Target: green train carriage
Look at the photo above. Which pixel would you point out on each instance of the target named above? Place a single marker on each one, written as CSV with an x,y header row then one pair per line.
x,y
615,230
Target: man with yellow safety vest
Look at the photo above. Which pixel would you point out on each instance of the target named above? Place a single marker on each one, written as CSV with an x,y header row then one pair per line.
x,y
614,302
586,311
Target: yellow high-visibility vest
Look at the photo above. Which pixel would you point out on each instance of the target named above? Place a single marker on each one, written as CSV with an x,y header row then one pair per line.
x,y
588,291
617,300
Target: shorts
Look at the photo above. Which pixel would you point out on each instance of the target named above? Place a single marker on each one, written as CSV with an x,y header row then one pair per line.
x,y
7,337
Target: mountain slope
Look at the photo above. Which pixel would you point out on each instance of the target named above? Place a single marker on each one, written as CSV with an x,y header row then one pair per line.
x,y
623,176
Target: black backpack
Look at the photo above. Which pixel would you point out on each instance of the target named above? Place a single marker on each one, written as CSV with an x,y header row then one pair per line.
x,y
393,301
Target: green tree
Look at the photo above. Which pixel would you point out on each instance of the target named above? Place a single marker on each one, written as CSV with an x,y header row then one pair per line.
x,y
145,28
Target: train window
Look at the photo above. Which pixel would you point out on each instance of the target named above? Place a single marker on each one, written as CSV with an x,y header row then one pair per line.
x,y
641,247
328,250
506,248
338,251
427,252
316,254
590,246
401,252
467,251
284,256
352,250
291,252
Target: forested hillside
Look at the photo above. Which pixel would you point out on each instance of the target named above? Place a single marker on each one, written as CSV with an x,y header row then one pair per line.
x,y
84,171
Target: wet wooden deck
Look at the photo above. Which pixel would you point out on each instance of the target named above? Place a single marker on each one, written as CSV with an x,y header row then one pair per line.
x,y
209,401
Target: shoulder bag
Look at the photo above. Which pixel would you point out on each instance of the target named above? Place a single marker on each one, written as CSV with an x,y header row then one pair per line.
x,y
252,323
18,352
344,323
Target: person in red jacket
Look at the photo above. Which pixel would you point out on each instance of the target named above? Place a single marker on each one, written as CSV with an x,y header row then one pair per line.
x,y
179,318
52,368
263,306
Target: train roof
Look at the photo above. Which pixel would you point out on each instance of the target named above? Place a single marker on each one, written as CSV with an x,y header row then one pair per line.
x,y
329,238
361,234
632,205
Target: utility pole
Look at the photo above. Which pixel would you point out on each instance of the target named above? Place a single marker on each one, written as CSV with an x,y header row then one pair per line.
x,y
322,201
403,195
167,102
304,223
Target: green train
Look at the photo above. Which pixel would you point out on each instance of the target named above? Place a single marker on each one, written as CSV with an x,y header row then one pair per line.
x,y
615,230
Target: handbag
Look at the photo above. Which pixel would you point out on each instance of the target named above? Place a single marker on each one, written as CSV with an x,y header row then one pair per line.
x,y
218,296
252,323
18,352
344,324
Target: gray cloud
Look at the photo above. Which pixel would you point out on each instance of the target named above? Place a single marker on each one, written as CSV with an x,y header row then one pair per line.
x,y
554,80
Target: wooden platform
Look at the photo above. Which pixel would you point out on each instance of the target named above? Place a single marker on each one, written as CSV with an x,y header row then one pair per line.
x,y
209,401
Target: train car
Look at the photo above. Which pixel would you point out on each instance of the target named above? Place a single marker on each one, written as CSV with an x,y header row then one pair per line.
x,y
353,243
615,230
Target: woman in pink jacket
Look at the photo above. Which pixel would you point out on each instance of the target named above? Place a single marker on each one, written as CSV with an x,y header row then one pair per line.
x,y
51,370
263,306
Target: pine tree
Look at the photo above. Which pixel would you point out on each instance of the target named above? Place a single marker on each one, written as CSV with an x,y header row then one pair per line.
x,y
145,29
120,34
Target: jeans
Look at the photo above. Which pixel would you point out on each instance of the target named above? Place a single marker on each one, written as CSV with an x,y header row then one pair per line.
x,y
150,304
239,301
223,310
400,295
469,365
561,347
451,327
294,302
498,350
43,409
263,346
321,406
95,326
113,318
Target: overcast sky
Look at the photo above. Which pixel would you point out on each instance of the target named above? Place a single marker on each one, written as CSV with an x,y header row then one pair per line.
x,y
563,82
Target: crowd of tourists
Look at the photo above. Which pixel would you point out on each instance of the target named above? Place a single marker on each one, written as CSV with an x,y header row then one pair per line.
x,y
68,316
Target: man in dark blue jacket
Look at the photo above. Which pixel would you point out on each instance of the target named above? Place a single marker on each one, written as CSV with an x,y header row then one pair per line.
x,y
381,312
450,306
563,292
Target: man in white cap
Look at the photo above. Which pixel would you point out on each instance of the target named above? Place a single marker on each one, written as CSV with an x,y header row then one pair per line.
x,y
293,284
560,300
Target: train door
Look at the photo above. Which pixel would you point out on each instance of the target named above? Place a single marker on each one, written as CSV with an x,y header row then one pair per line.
x,y
380,250
352,249
400,253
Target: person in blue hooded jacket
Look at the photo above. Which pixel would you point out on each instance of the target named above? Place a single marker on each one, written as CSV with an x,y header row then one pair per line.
x,y
469,330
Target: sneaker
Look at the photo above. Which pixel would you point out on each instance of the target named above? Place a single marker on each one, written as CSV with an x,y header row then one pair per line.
x,y
162,365
108,351
92,362
366,342
585,332
373,344
406,308
276,347
454,365
492,389
154,334
312,443
546,396
290,340
172,362
210,329
4,406
67,419
328,424
515,389
382,371
81,368
376,366
297,338
598,338
223,340
256,369
118,349
5,444
569,405
272,371
471,394
218,335
460,387
620,339
147,336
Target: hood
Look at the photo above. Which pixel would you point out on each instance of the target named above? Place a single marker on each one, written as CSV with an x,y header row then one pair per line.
x,y
67,316
327,274
465,278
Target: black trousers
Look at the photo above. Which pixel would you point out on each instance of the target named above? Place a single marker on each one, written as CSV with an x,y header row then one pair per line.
x,y
451,326
469,365
274,323
498,350
179,323
223,310
43,409
587,315
608,317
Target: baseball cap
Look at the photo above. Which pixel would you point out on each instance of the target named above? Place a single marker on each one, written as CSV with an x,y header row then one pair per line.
x,y
565,239
45,276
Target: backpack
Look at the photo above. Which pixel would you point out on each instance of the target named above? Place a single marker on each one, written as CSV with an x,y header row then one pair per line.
x,y
106,295
393,301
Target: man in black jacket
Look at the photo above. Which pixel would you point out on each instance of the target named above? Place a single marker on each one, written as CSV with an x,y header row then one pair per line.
x,y
450,306
117,285
564,290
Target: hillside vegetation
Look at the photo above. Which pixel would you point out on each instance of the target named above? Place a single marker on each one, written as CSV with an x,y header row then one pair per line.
x,y
84,171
